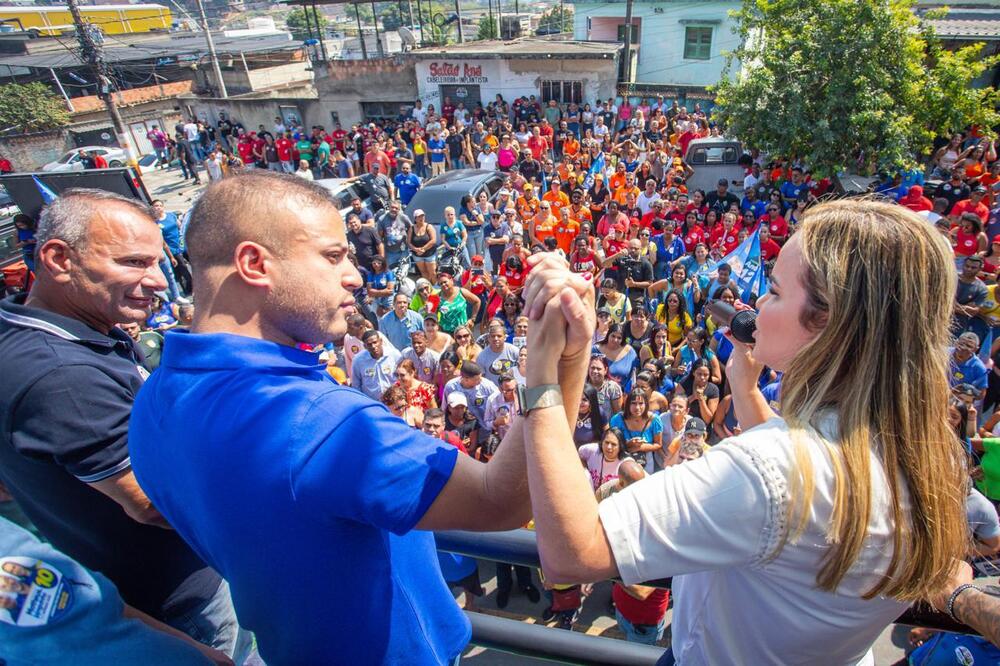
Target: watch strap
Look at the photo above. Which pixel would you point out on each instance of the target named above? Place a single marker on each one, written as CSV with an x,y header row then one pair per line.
x,y
537,397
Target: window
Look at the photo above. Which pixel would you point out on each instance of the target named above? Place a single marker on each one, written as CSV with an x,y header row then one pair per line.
x,y
697,43
705,155
384,110
635,33
563,92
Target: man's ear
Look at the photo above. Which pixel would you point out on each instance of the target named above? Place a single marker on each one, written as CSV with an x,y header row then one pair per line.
x,y
58,259
254,264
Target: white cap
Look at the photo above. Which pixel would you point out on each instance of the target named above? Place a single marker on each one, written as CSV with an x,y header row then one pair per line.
x,y
457,398
418,212
504,191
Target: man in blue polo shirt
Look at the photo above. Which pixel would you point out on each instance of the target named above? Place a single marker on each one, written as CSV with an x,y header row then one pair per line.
x,y
309,497
68,376
965,367
398,323
407,183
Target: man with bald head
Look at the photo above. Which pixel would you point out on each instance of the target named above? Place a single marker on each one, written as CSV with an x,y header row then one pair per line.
x,y
68,378
274,467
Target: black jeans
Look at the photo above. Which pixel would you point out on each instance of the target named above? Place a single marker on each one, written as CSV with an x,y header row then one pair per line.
x,y
505,580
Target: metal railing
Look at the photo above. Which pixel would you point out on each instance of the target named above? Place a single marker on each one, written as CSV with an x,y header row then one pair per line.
x,y
520,547
570,647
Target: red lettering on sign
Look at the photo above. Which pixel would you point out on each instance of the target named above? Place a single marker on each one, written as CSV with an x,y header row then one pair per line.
x,y
473,71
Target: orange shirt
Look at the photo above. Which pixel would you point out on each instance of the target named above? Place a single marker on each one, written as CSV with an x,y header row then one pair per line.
x,y
571,147
623,192
528,207
580,216
557,198
616,181
565,234
543,227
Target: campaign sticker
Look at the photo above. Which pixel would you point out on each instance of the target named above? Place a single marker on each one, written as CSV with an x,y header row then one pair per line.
x,y
32,592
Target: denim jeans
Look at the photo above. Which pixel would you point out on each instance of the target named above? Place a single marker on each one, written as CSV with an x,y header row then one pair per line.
x,y
162,156
393,257
214,624
476,242
173,292
645,634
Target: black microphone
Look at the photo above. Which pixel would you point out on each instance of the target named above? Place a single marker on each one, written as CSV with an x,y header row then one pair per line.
x,y
741,323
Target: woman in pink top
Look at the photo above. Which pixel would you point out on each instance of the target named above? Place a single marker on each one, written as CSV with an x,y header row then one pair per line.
x,y
602,460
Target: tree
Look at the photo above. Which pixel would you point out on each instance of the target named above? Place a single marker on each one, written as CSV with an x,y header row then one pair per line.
x,y
391,18
487,28
847,83
298,22
558,19
31,107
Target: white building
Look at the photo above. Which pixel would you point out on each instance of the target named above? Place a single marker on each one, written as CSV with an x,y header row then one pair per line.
x,y
679,44
567,71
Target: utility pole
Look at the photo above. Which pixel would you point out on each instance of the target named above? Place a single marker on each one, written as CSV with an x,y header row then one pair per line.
x,y
211,51
91,52
628,41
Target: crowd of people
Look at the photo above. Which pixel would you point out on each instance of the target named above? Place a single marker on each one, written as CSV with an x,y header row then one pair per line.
x,y
603,186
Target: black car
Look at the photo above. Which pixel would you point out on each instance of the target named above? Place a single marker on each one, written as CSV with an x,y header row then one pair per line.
x,y
448,189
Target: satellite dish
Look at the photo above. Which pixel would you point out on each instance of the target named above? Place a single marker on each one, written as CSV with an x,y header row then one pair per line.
x,y
405,34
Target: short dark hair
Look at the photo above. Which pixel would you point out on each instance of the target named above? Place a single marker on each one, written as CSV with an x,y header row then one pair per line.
x,y
233,210
471,369
433,413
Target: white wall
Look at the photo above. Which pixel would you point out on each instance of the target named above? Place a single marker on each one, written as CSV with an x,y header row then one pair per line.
x,y
661,37
516,77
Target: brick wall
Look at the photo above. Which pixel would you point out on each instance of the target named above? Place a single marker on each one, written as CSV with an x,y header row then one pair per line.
x,y
28,152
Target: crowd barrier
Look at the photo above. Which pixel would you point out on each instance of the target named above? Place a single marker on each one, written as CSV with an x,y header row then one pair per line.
x,y
520,547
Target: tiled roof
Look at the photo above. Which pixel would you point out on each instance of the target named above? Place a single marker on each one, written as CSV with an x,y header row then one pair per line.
x,y
133,96
974,29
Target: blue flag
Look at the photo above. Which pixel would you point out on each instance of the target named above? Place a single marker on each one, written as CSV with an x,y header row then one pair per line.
x,y
596,167
46,192
757,286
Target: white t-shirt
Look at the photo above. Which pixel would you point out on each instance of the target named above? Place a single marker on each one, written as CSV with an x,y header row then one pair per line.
x,y
487,161
646,203
712,523
601,471
191,131
420,115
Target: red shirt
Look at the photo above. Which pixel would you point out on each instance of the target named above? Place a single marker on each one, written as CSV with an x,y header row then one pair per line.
x,y
537,145
547,133
100,162
515,279
339,137
649,611
769,250
695,235
966,206
284,147
245,149
777,226
447,112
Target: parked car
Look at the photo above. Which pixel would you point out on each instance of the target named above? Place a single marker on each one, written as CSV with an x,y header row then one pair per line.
x,y
712,159
435,194
345,189
71,161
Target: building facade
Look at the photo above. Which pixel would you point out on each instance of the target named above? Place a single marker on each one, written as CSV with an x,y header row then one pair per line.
x,y
680,44
476,72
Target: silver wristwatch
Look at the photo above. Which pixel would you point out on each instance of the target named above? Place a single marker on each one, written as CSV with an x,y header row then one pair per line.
x,y
537,397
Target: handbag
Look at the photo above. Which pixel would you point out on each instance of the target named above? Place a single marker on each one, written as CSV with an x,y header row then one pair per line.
x,y
567,600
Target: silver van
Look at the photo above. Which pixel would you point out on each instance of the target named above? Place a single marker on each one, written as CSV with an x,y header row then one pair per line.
x,y
714,158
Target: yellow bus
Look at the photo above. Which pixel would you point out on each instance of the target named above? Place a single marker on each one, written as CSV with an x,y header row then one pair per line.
x,y
111,19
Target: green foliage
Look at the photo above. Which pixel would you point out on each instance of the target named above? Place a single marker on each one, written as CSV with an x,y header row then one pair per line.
x,y
391,18
31,107
296,22
487,28
844,84
557,19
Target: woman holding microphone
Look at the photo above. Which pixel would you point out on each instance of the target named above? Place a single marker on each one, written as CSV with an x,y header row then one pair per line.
x,y
799,540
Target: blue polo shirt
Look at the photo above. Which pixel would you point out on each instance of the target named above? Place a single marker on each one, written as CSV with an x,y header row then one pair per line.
x,y
971,372
304,495
407,186
436,144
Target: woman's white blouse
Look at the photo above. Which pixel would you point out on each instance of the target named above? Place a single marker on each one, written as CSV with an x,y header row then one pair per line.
x,y
715,524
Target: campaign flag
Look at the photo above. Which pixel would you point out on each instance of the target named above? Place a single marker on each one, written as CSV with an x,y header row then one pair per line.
x,y
596,167
46,192
757,286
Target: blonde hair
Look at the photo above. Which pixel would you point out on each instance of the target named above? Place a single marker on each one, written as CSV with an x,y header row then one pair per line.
x,y
881,282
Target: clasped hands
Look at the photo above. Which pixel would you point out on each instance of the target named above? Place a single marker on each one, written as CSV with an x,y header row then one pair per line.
x,y
560,305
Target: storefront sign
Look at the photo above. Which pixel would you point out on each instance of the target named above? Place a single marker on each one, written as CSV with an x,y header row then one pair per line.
x,y
447,72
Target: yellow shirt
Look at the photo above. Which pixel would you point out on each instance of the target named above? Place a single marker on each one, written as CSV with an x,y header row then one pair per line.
x,y
676,327
991,306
